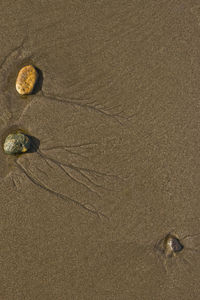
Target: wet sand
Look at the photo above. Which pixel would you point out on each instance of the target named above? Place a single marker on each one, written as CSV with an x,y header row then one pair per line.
x,y
116,167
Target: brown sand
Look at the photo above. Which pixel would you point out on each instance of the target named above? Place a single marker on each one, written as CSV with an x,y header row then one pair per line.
x,y
117,118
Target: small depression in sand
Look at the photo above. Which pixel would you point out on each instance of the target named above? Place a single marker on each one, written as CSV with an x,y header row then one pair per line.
x,y
69,158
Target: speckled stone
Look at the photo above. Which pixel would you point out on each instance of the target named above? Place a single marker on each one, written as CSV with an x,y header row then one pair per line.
x,y
16,143
26,80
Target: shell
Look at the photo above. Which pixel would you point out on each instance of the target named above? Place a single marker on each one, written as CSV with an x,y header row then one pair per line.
x,y
26,80
16,143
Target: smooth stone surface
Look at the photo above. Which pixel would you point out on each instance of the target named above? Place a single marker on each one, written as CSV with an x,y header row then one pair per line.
x,y
16,143
26,80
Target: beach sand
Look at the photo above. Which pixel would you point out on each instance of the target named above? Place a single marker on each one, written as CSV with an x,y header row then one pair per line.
x,y
116,167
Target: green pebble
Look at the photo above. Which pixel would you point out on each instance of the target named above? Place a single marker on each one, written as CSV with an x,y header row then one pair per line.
x,y
16,143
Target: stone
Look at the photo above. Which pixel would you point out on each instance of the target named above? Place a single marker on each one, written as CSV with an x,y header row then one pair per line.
x,y
172,245
26,80
16,143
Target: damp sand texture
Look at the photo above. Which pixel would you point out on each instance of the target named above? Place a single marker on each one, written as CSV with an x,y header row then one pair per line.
x,y
116,128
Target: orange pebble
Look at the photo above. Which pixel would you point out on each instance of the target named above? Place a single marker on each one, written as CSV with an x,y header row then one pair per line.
x,y
26,80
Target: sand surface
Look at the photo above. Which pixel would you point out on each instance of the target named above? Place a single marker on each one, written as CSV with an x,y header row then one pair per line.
x,y
117,123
